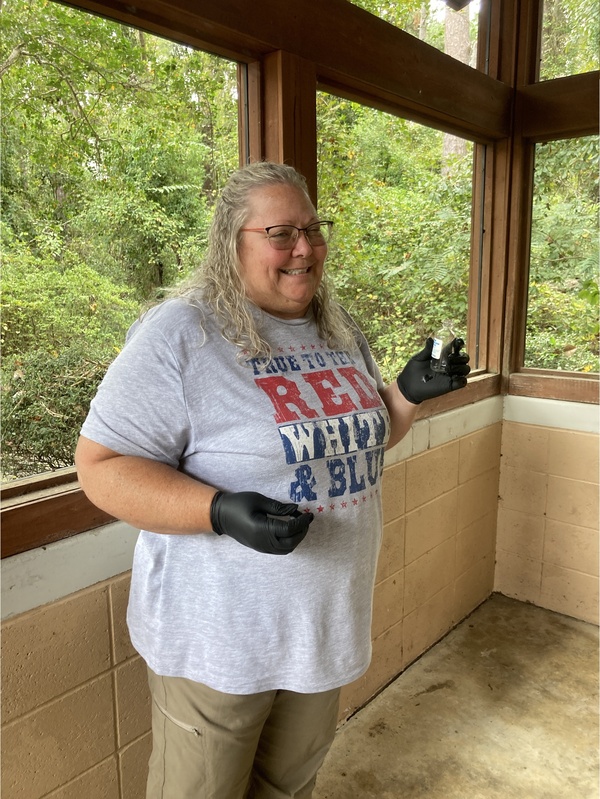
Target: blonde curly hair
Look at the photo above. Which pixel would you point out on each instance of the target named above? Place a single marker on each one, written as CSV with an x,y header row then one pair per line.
x,y
217,279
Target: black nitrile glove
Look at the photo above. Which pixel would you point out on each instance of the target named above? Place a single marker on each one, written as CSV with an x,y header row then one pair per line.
x,y
418,382
248,518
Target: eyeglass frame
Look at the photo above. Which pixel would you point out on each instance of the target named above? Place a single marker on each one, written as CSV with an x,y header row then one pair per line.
x,y
299,230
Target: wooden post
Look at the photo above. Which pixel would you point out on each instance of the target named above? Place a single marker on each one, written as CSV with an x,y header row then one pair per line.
x,y
290,116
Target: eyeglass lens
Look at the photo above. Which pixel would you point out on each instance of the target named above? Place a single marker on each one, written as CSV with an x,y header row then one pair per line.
x,y
284,236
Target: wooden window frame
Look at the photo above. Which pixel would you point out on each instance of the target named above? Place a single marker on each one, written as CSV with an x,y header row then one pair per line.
x,y
282,65
562,108
544,112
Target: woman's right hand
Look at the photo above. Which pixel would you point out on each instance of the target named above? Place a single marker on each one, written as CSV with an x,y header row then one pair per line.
x,y
258,522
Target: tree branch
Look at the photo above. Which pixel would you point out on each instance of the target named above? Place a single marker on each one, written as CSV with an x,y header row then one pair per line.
x,y
14,56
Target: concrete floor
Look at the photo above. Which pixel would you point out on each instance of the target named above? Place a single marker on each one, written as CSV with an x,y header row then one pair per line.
x,y
504,707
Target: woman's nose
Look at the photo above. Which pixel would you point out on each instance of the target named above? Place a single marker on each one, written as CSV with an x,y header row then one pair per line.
x,y
302,244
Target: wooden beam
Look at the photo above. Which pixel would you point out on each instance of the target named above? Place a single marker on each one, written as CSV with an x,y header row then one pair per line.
x,y
348,46
518,252
290,122
479,387
561,108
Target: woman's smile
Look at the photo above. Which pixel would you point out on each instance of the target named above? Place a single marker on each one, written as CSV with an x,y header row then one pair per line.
x,y
295,271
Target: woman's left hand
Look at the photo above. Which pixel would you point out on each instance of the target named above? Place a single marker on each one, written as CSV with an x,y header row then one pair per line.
x,y
418,382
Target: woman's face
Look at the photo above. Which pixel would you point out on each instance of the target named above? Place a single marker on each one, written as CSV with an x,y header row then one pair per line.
x,y
281,282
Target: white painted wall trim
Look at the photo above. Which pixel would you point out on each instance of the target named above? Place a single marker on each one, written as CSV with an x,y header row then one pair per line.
x,y
553,413
445,427
43,575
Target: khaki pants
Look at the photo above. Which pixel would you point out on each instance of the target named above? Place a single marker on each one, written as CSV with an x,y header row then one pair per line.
x,y
211,745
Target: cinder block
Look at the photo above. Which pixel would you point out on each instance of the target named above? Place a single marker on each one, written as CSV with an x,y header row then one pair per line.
x,y
388,603
55,744
53,649
431,474
393,487
134,717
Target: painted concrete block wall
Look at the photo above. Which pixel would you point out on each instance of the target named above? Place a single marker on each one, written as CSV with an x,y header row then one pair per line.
x,y
75,714
547,549
437,559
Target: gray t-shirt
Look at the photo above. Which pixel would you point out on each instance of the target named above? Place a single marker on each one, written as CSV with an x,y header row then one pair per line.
x,y
309,428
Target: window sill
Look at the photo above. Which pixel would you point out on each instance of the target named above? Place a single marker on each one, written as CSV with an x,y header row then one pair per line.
x,y
480,386
549,384
37,511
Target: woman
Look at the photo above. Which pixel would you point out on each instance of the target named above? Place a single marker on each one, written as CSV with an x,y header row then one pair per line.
x,y
246,418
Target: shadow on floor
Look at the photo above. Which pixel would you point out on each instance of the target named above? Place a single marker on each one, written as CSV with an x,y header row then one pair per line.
x,y
504,707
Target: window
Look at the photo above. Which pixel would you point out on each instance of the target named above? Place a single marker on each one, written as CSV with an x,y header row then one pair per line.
x,y
401,197
570,36
562,310
115,145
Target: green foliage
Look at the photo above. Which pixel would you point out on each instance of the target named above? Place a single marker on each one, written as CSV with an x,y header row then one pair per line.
x,y
562,318
413,16
49,305
62,324
561,330
45,398
115,141
570,37
400,253
115,146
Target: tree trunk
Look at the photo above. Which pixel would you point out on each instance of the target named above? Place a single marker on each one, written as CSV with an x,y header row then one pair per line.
x,y
456,44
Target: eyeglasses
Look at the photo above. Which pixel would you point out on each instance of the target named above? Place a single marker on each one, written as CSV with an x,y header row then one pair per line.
x,y
284,237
